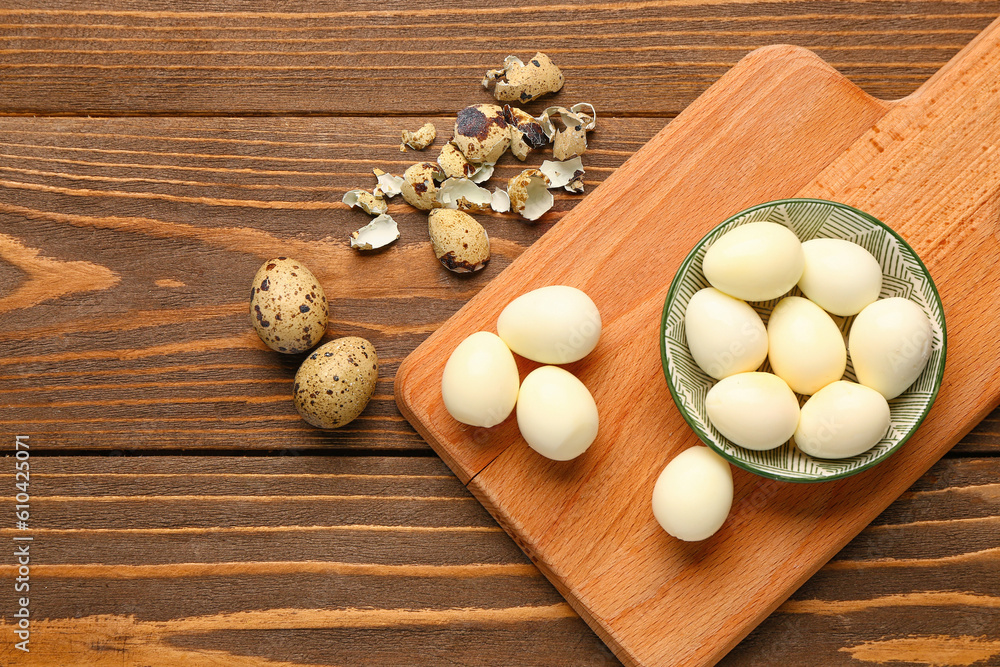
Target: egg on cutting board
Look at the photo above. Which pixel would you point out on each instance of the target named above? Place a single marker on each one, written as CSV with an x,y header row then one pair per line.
x,y
839,276
890,343
805,346
693,495
557,324
841,420
480,381
725,335
556,413
754,410
758,261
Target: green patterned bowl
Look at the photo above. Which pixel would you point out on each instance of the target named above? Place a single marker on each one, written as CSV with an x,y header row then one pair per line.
x,y
904,275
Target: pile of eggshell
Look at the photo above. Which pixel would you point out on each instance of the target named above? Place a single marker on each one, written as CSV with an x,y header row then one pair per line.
x,y
889,343
482,134
556,414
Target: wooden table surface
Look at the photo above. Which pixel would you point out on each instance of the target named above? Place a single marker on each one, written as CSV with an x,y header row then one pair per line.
x,y
153,154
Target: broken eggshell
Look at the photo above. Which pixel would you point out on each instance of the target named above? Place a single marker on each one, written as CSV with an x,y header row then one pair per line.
x,y
378,233
567,174
481,133
463,194
501,201
520,82
525,132
568,128
529,194
453,162
388,185
460,243
420,185
418,139
366,201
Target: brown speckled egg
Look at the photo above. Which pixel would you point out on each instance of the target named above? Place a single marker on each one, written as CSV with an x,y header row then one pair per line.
x,y
481,133
460,243
334,384
287,306
420,185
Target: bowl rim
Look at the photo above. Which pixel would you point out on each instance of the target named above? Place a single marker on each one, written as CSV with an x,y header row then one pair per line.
x,y
706,438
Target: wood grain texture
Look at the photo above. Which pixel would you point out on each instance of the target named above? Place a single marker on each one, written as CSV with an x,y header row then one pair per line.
x,y
123,244
651,57
802,131
337,560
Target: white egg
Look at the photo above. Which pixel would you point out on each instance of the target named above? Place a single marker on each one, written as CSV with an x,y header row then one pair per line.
x,y
693,494
839,276
805,346
557,324
757,261
479,384
754,410
841,420
890,344
556,414
725,335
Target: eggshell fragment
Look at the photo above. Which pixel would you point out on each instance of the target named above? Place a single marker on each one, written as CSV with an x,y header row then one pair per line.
x,y
366,201
480,382
334,384
556,413
501,201
693,495
839,276
753,410
378,233
557,324
757,261
529,194
453,163
388,185
420,185
520,82
568,128
288,308
566,174
481,133
841,420
805,347
460,243
725,335
890,343
463,194
525,132
419,139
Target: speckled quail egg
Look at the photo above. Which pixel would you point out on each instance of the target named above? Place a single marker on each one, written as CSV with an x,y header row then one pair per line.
x,y
520,82
481,133
420,185
334,384
288,307
460,243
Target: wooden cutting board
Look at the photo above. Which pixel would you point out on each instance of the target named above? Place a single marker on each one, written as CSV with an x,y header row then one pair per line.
x,y
782,123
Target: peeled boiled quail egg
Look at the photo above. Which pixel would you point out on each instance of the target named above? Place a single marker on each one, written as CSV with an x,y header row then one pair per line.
x,y
841,420
556,414
839,276
890,344
480,381
725,335
757,261
754,410
805,346
557,324
693,494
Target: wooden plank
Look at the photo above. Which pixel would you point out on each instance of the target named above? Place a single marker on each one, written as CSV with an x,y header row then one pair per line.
x,y
83,57
924,165
128,567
